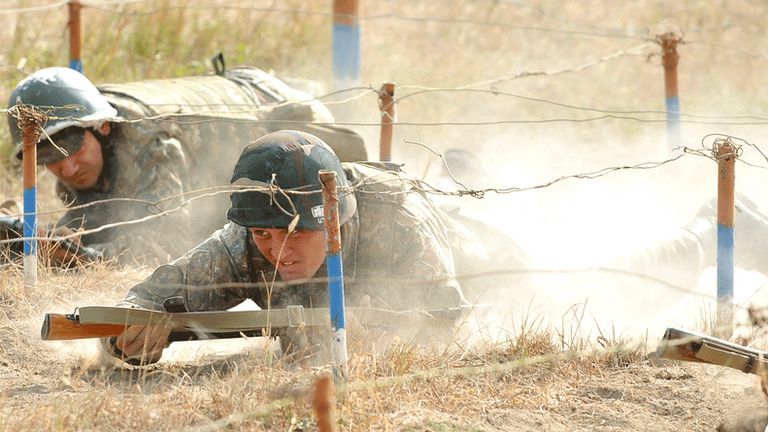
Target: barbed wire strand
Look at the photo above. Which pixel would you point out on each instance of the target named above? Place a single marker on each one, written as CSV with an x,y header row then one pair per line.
x,y
525,74
416,185
42,8
182,119
744,53
616,34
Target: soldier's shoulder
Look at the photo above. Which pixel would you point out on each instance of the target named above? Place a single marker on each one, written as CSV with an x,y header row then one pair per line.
x,y
377,176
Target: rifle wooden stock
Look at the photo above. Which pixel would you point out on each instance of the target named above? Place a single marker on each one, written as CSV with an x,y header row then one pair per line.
x,y
695,347
67,327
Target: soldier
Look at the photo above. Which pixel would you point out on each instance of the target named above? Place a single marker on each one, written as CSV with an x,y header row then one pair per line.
x,y
151,144
395,244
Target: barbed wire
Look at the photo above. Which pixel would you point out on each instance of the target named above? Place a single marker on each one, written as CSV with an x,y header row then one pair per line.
x,y
757,56
494,92
42,8
231,109
186,197
525,74
208,117
182,200
155,207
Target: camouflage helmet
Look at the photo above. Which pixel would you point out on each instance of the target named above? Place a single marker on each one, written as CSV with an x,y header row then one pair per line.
x,y
292,161
66,95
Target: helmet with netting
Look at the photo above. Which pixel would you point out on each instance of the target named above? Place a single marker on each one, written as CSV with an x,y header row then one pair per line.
x,y
69,99
280,164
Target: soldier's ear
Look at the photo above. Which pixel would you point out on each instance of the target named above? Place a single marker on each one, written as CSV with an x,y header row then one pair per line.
x,y
105,128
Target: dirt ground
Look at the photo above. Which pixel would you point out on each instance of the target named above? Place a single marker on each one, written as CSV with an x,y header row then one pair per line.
x,y
670,397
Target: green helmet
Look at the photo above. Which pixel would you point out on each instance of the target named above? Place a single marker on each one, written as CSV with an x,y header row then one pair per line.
x,y
62,93
292,161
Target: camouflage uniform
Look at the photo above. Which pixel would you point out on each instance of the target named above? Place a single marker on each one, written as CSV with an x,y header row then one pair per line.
x,y
164,158
395,250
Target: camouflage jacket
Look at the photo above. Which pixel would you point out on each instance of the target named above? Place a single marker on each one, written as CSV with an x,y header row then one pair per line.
x,y
396,250
175,137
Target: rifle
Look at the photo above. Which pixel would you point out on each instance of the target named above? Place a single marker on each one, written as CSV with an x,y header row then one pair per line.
x,y
66,251
695,347
106,321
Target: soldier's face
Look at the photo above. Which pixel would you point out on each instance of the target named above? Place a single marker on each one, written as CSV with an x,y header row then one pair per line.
x,y
81,170
296,256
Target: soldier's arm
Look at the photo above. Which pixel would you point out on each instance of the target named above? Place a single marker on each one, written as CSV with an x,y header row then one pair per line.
x,y
422,261
209,277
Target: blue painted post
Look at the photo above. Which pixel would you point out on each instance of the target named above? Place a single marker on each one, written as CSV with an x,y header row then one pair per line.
x,y
346,43
726,180
670,59
75,38
30,121
335,272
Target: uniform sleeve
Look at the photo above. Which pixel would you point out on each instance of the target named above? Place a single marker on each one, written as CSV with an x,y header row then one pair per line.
x,y
212,276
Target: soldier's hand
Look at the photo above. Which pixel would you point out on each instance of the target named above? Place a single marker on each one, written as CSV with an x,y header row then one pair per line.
x,y
143,344
65,250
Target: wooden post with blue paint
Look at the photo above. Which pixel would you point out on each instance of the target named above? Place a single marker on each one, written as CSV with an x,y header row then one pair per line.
x,y
387,107
346,43
75,36
30,121
335,272
670,60
726,153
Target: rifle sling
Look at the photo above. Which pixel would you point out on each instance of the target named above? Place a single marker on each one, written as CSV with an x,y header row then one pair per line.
x,y
713,354
226,321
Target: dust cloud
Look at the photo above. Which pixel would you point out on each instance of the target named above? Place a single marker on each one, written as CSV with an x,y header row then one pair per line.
x,y
614,256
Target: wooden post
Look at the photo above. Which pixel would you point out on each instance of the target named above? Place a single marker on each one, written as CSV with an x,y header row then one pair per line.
x,y
346,43
335,272
670,59
387,107
726,153
323,402
75,37
30,121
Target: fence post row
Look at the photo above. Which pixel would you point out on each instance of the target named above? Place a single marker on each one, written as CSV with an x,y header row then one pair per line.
x,y
75,37
669,60
726,153
387,107
335,272
346,43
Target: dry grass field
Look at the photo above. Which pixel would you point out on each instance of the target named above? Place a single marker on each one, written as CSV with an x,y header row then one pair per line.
x,y
539,91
